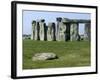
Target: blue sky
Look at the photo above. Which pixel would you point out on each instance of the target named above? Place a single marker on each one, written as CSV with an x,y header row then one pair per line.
x,y
28,16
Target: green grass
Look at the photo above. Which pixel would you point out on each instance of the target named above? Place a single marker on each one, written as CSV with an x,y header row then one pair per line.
x,y
71,54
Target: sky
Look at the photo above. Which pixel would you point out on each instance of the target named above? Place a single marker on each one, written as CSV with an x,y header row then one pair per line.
x,y
29,16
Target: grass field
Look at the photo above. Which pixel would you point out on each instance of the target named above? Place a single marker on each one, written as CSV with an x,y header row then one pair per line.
x,y
71,54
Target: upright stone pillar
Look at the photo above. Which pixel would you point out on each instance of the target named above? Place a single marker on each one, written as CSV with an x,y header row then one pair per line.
x,y
54,31
51,32
41,31
45,32
37,28
33,30
74,31
66,29
58,28
87,31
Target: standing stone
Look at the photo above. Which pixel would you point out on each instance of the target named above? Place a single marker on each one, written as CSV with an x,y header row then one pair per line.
x,y
62,32
33,30
73,31
66,28
45,32
67,31
59,24
41,31
51,32
87,31
54,31
37,28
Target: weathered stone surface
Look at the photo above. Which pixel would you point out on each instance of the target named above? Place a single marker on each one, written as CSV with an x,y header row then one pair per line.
x,y
51,32
59,23
41,31
63,30
65,20
87,31
73,31
54,31
37,29
44,56
67,31
33,30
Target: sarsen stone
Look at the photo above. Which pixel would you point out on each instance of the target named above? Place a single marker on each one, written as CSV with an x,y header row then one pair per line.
x,y
44,56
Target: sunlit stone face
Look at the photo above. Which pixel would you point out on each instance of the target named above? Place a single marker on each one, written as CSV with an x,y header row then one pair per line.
x,y
63,30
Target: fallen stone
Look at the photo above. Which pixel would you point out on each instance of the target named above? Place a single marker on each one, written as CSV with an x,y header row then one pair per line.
x,y
44,56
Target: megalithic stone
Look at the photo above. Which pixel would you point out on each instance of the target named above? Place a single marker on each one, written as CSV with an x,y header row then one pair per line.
x,y
51,36
45,32
66,28
54,31
73,31
67,31
41,31
49,32
62,32
59,24
37,29
33,30
87,31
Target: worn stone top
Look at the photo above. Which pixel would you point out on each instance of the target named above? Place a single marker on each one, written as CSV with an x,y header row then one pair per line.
x,y
64,20
42,20
67,20
59,19
79,21
33,21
